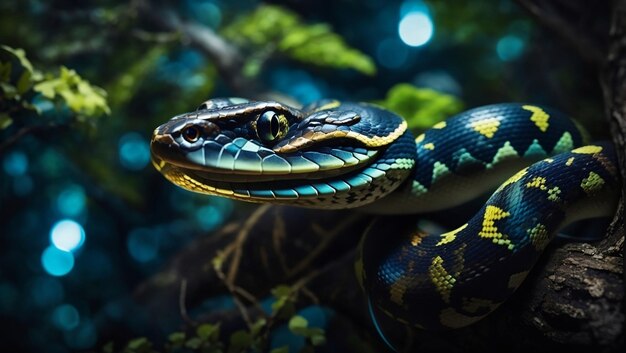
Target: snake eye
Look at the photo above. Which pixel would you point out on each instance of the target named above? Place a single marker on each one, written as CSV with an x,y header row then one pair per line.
x,y
203,106
191,134
268,126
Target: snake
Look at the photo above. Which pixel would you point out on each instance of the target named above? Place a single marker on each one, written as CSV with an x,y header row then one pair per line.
x,y
533,161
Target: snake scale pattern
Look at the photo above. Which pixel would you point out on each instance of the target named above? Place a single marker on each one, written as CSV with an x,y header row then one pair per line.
x,y
333,155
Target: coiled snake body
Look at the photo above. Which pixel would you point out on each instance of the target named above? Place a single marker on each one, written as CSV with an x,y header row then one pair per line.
x,y
334,154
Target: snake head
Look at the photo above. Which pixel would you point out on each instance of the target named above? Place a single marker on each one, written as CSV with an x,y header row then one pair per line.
x,y
236,144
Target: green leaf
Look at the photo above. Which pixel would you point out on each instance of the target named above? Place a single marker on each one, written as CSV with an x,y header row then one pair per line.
x,y
5,121
139,345
8,89
271,27
281,291
5,71
79,95
240,339
421,107
177,338
318,339
258,326
208,332
21,56
283,349
24,83
297,322
194,343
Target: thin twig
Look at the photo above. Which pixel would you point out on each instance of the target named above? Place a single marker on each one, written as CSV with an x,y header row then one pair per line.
x,y
181,302
25,131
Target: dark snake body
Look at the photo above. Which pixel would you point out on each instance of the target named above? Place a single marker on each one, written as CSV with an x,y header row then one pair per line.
x,y
341,155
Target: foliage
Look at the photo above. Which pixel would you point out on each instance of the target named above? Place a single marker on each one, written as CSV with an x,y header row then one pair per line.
x,y
421,107
207,339
272,28
21,84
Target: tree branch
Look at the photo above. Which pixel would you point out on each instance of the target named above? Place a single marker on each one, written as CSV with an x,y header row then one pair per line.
x,y
587,46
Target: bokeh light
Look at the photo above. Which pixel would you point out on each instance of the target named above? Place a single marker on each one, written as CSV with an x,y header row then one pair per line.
x,y
67,235
143,244
57,262
205,11
416,28
510,47
15,163
71,201
209,217
65,317
134,151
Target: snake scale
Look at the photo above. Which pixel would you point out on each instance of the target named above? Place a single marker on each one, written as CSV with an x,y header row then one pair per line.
x,y
333,155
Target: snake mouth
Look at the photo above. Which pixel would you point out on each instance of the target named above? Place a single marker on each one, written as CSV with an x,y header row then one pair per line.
x,y
243,161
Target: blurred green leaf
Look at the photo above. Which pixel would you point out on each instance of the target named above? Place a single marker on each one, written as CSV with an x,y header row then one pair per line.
x,y
239,341
177,338
208,332
21,56
5,71
79,95
297,323
5,121
194,343
274,27
421,107
139,345
283,349
258,326
300,326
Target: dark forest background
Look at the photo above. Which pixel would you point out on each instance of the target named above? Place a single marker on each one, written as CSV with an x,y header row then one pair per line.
x,y
98,252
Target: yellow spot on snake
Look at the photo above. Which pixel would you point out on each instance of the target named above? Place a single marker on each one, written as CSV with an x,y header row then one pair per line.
x,y
538,236
591,149
442,280
398,288
429,146
569,161
440,125
450,236
537,182
592,183
420,138
490,231
416,239
553,194
486,127
539,117
330,105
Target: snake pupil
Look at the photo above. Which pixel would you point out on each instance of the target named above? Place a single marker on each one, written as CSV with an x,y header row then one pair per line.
x,y
268,126
191,134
